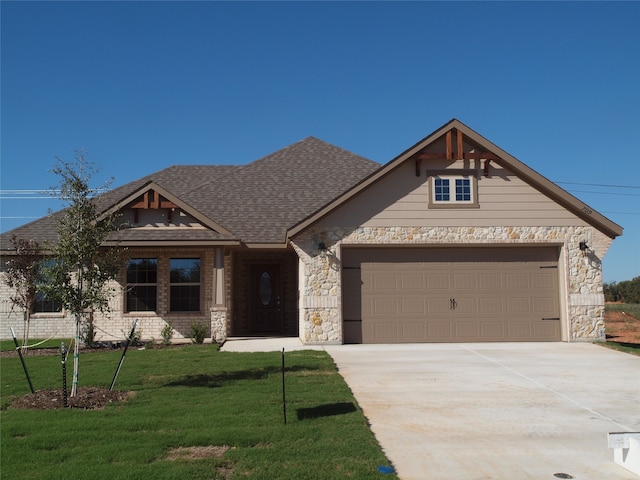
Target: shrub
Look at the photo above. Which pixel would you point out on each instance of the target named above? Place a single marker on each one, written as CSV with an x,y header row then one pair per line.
x,y
167,333
198,332
137,335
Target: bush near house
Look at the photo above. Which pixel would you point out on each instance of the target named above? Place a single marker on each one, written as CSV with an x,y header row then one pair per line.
x,y
198,332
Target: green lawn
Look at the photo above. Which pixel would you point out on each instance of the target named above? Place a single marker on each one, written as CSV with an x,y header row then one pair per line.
x,y
52,343
185,397
631,308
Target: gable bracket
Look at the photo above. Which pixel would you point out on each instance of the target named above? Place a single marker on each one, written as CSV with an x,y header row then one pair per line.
x,y
465,156
486,167
449,151
152,200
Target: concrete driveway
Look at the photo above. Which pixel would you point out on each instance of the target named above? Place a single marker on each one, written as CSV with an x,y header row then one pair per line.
x,y
497,410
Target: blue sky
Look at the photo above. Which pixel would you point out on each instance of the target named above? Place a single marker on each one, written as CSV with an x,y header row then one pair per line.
x,y
144,85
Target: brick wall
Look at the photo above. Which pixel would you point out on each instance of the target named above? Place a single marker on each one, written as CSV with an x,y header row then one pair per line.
x,y
116,325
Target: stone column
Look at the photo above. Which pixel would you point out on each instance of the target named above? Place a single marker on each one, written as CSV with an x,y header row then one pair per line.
x,y
219,309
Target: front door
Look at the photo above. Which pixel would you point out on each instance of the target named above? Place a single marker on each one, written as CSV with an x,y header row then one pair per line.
x,y
265,302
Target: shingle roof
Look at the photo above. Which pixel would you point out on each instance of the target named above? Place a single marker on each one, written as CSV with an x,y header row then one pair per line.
x,y
263,199
255,202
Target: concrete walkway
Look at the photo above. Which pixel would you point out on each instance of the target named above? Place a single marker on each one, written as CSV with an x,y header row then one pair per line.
x,y
266,344
490,411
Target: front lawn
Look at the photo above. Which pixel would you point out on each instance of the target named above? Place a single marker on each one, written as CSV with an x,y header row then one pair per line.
x,y
196,413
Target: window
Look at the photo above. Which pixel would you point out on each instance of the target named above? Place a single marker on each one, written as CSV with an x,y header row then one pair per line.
x,y
453,191
142,284
42,304
184,280
443,191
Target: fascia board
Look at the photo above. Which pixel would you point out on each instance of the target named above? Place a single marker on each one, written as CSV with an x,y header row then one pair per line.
x,y
270,246
170,243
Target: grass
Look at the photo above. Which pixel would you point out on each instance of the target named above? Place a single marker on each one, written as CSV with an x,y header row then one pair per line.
x,y
630,308
187,397
632,348
51,343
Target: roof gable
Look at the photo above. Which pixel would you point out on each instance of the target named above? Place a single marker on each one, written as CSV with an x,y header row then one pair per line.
x,y
152,196
455,141
171,181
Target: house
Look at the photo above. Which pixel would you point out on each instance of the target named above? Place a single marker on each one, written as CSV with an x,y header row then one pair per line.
x,y
454,240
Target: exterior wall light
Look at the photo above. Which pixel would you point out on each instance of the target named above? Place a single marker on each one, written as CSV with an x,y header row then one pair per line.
x,y
584,248
322,248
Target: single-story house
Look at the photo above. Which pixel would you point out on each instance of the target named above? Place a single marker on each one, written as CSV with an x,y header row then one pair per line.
x,y
453,240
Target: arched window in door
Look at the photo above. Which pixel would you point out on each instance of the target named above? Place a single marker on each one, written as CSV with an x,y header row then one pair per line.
x,y
265,289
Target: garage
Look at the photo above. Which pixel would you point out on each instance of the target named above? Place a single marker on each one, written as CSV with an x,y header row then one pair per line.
x,y
458,294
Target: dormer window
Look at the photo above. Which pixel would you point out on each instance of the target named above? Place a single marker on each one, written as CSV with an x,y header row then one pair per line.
x,y
448,190
452,189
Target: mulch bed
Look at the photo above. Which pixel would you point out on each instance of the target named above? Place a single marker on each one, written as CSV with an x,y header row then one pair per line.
x,y
88,398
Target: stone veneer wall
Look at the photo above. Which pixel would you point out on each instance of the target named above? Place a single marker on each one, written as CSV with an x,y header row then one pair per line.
x,y
219,324
320,282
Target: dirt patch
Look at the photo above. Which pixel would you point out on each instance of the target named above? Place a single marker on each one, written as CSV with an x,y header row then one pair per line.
x,y
88,398
622,327
225,470
194,453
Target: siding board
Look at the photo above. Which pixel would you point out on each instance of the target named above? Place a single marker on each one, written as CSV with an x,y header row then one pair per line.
x,y
402,200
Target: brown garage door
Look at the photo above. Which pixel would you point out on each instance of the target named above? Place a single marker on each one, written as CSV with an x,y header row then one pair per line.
x,y
451,295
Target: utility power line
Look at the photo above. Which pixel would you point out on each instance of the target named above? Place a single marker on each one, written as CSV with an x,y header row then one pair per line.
x,y
619,213
598,185
606,193
33,194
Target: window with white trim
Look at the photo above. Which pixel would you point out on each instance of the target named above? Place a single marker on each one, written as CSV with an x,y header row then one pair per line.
x,y
452,190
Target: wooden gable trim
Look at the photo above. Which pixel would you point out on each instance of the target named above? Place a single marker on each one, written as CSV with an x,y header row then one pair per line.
x,y
152,200
474,154
165,199
448,154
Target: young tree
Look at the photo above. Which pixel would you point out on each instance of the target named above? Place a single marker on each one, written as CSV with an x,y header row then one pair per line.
x,y
22,276
82,267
